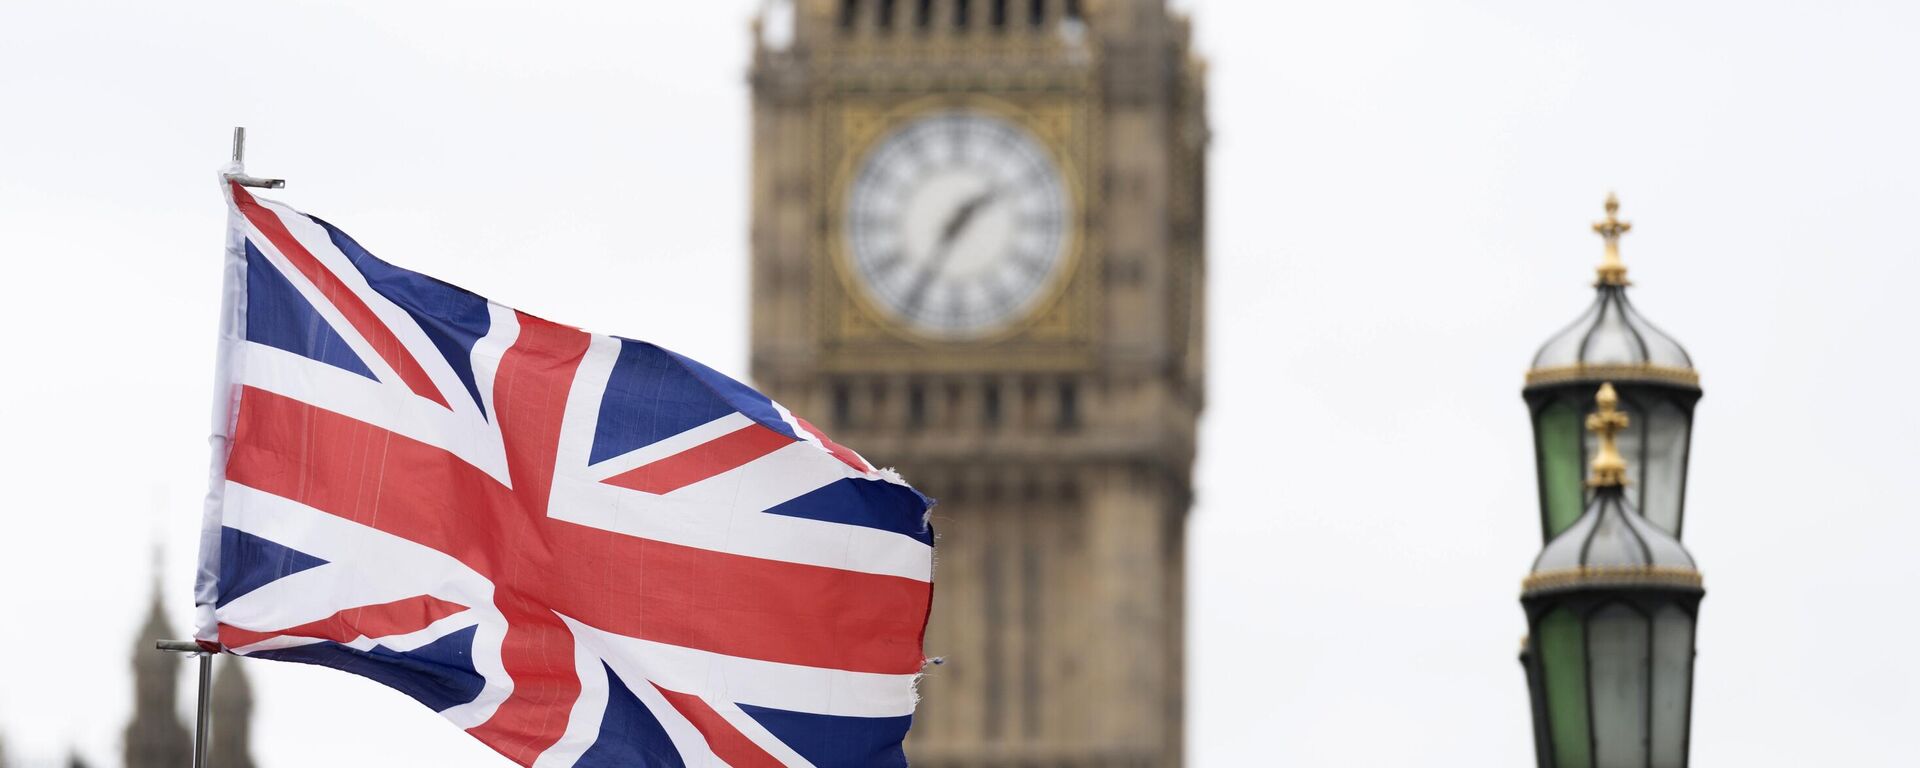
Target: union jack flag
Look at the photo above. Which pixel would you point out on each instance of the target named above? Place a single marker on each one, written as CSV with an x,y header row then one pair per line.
x,y
583,550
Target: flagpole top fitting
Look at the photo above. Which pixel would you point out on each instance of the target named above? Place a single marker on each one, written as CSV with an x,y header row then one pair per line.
x,y
239,157
181,646
1612,271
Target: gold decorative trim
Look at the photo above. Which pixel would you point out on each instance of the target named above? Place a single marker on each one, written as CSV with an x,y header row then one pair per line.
x,y
1609,467
1632,576
1584,373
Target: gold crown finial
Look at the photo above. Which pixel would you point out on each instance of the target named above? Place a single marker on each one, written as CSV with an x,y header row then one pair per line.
x,y
1609,468
1612,271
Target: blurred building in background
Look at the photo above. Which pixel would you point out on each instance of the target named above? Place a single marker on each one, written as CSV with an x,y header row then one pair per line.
x,y
232,716
156,736
978,252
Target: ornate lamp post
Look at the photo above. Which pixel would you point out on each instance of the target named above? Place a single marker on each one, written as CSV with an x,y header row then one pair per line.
x,y
1611,604
1658,388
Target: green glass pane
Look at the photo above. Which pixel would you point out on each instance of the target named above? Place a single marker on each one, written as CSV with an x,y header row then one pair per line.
x,y
1563,659
1557,431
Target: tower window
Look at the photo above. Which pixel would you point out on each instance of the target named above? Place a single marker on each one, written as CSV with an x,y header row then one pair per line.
x,y
990,405
849,13
916,406
1073,10
1029,402
842,406
885,20
1036,13
997,13
960,12
956,395
923,14
1069,416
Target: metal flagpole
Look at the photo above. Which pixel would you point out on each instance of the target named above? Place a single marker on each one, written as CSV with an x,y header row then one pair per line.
x,y
203,715
203,711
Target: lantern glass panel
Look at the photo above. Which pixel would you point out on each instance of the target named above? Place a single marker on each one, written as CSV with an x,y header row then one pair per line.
x,y
1617,638
1672,685
1562,487
1564,348
1613,539
1661,348
1662,493
1611,340
1563,660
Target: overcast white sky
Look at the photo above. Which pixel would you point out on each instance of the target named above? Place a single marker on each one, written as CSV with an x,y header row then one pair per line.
x,y
1400,192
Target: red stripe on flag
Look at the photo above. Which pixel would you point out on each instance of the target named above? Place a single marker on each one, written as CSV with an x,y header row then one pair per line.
x,y
744,606
538,655
841,452
396,618
697,598
501,539
530,395
726,741
356,311
235,637
727,452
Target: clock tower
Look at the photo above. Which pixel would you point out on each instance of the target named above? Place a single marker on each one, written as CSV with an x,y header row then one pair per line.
x,y
978,255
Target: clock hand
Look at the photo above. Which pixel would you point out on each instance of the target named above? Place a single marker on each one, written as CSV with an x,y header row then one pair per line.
x,y
958,221
924,279
943,249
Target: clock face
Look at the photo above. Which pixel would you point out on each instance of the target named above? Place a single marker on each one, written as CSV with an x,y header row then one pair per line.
x,y
957,224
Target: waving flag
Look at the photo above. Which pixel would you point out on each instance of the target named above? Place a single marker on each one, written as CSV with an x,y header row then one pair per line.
x,y
582,549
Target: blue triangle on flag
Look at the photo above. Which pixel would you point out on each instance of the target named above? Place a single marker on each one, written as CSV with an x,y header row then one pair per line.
x,y
649,398
453,318
837,739
866,503
439,674
629,733
278,316
248,562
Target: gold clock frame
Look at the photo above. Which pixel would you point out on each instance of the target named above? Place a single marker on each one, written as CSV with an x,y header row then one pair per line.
x,y
906,115
1056,332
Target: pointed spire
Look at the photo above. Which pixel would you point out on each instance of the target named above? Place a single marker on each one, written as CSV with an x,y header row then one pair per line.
x,y
233,712
1612,271
155,737
1609,467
